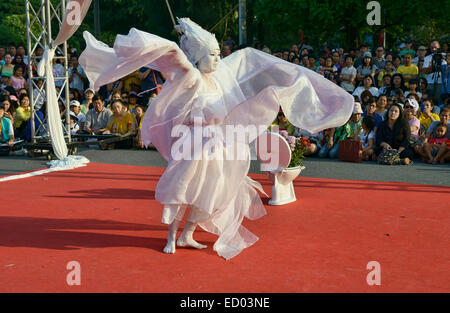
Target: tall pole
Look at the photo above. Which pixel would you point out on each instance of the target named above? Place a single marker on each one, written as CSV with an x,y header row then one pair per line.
x,y
242,22
97,19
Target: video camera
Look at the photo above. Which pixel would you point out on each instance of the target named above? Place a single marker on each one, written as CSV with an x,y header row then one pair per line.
x,y
436,61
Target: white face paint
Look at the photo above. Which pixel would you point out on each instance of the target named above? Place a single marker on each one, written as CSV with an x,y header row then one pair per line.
x,y
209,62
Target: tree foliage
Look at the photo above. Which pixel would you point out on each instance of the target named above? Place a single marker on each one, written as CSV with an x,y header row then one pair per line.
x,y
274,23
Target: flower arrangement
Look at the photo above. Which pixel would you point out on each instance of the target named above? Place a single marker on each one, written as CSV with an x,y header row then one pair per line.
x,y
298,148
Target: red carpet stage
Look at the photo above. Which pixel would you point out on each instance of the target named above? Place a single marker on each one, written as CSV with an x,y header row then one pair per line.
x,y
105,217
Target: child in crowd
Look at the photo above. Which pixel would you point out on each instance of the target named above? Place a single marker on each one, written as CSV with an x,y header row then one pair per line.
x,y
74,127
438,145
367,138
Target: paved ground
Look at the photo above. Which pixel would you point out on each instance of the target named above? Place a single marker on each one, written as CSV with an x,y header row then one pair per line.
x,y
321,168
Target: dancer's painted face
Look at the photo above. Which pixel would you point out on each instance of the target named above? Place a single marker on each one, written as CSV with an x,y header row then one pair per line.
x,y
209,62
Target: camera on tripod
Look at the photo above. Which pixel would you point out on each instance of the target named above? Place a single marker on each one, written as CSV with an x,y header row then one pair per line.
x,y
436,61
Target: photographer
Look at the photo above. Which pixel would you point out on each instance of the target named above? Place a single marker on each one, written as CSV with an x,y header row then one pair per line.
x,y
77,77
432,67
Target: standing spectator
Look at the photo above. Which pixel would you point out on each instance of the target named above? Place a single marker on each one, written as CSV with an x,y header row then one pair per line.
x,y
139,113
394,133
348,75
408,70
77,76
421,52
58,73
432,67
98,117
8,67
445,79
336,62
152,82
367,85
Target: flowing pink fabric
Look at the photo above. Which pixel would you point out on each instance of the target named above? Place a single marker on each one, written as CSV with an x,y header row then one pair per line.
x,y
251,87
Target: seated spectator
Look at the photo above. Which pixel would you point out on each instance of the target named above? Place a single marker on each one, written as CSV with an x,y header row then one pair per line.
x,y
313,140
394,133
431,132
328,70
413,88
371,108
8,67
18,60
6,81
87,103
427,116
23,114
132,82
6,128
397,61
351,130
438,145
74,126
367,138
98,117
364,97
387,80
348,75
39,125
388,71
10,111
139,113
17,81
367,85
312,63
75,108
122,123
366,68
408,70
397,88
411,107
296,60
132,101
423,85
282,123
382,102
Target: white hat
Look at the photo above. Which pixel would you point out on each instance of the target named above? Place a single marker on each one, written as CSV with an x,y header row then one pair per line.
x,y
89,89
195,42
74,115
413,102
75,103
357,109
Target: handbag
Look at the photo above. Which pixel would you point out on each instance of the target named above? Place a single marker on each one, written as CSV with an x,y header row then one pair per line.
x,y
389,157
349,151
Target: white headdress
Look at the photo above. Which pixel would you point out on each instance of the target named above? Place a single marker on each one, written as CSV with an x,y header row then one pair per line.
x,y
195,42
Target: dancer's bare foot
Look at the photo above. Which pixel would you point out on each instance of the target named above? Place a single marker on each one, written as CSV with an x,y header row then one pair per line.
x,y
188,241
405,161
170,246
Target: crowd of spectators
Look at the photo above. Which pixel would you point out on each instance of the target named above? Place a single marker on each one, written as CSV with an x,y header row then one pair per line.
x,y
116,108
401,99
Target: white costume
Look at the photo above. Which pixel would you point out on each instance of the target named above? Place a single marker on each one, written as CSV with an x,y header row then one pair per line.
x,y
251,86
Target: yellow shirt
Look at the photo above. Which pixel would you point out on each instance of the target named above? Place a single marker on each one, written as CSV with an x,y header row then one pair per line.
x,y
122,124
426,121
133,78
408,72
22,115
